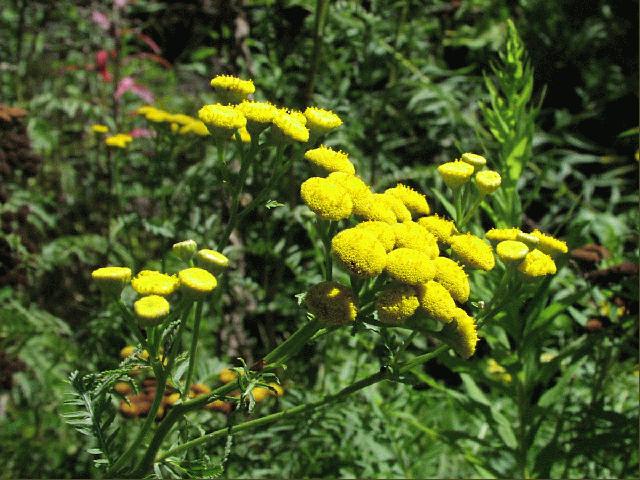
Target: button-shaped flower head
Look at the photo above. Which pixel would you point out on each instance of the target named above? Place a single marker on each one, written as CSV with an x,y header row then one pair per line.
x,y
151,310
358,190
111,280
473,251
383,231
119,140
321,121
232,89
537,264
330,160
184,250
394,204
151,282
475,160
548,244
222,120
197,282
510,251
452,277
456,173
488,181
288,129
259,115
415,202
396,303
436,301
410,266
331,303
501,234
374,207
360,252
212,260
439,227
461,334
326,199
413,235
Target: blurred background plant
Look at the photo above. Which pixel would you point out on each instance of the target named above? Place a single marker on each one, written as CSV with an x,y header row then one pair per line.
x,y
410,79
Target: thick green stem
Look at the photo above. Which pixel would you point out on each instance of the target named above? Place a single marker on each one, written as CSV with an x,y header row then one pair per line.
x,y
322,8
194,346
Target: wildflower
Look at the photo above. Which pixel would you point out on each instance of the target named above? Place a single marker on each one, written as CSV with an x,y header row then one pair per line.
x,y
260,394
331,303
127,351
245,136
232,89
279,391
410,266
501,234
461,333
452,277
184,250
537,264
227,375
198,389
529,239
321,121
123,388
151,310
119,140
326,199
394,204
439,227
497,371
222,120
155,115
415,202
358,190
383,231
456,173
488,181
473,251
295,114
180,118
396,303
129,409
196,127
511,251
549,244
212,260
436,301
171,398
475,160
330,160
151,282
258,114
374,207
197,282
99,128
412,235
360,252
288,129
111,279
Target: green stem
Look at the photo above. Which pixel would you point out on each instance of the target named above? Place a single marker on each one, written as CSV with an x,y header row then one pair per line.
x,y
471,210
322,8
292,345
194,346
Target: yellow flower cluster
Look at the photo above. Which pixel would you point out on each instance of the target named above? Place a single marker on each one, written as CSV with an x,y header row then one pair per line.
x,y
320,121
151,310
458,172
330,160
326,199
232,89
409,266
396,303
289,127
222,120
119,140
331,303
99,128
461,333
472,251
178,122
414,201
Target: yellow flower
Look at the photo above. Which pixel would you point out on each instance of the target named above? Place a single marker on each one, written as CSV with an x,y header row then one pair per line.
x,y
360,252
396,303
151,310
111,279
383,231
475,160
227,375
358,190
410,266
456,173
330,160
184,250
412,235
259,115
99,128
501,234
156,115
151,282
279,391
439,227
260,394
211,259
462,334
511,251
119,140
549,244
196,127
321,121
222,120
197,282
127,351
473,251
415,202
488,181
331,303
180,118
398,208
232,89
326,199
374,207
295,114
289,128
537,264
497,371
436,301
245,136
143,110
452,277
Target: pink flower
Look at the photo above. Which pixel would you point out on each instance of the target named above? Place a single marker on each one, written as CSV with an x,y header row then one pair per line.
x,y
101,20
120,3
142,133
102,57
128,84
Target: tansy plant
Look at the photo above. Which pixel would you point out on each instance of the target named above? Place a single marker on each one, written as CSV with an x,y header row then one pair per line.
x,y
388,261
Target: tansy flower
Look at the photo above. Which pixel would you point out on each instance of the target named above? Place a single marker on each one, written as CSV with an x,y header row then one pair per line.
x,y
260,394
222,120
184,250
537,264
123,388
326,199
410,266
488,181
151,282
198,389
396,303
452,277
258,114
497,371
415,202
511,251
501,234
180,118
439,227
549,244
412,235
156,115
529,239
358,190
456,173
99,128
473,251
436,301
360,252
321,121
279,391
211,259
119,140
383,231
245,136
398,208
462,334
196,127
127,351
151,310
111,279
143,110
295,114
227,375
330,160
197,282
232,89
475,160
331,303
288,129
373,207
